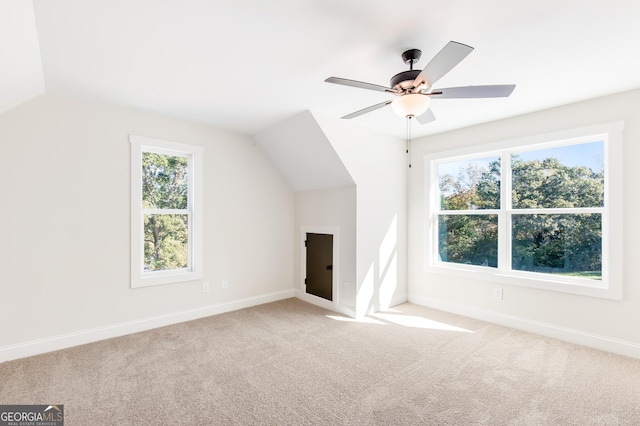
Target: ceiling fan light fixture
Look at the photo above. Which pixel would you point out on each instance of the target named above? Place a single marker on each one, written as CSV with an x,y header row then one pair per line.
x,y
411,105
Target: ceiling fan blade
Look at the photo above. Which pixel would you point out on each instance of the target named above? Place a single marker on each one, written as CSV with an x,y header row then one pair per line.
x,y
493,91
442,63
426,117
367,109
360,84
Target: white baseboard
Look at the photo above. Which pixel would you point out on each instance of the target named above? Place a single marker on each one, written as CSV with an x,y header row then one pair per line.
x,y
341,308
347,310
82,337
578,337
399,299
314,300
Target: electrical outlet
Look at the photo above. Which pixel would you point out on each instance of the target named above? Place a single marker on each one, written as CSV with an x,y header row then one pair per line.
x,y
497,293
205,287
225,284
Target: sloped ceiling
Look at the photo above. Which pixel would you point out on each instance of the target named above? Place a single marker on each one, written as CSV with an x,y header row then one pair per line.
x,y
21,76
300,150
246,65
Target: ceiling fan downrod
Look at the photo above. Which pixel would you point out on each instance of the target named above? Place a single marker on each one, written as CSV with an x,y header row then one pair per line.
x,y
403,81
411,56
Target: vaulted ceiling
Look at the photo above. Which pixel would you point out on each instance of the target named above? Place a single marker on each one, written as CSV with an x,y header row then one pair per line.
x,y
246,65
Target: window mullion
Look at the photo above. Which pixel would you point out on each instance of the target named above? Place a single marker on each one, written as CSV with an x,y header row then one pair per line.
x,y
504,217
469,212
165,211
571,210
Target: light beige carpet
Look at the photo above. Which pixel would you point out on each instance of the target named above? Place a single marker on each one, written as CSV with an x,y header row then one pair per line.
x,y
291,363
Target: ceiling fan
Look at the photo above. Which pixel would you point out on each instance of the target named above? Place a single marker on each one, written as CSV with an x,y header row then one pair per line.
x,y
413,88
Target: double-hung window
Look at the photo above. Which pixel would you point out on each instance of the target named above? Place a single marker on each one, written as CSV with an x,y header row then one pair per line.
x,y
543,212
166,212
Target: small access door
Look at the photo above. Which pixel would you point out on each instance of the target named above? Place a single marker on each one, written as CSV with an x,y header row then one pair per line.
x,y
319,274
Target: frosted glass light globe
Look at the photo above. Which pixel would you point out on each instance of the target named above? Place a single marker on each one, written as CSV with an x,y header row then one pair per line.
x,y
411,105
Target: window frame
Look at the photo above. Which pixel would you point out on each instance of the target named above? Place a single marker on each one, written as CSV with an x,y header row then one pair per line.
x,y
194,154
610,287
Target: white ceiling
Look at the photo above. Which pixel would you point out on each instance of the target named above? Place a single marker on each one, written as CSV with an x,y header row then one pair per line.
x,y
245,65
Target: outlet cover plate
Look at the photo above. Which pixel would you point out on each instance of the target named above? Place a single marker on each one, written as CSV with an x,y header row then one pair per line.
x,y
497,293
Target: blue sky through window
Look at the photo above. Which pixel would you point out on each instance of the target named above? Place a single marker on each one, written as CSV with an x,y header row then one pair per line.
x,y
455,167
586,154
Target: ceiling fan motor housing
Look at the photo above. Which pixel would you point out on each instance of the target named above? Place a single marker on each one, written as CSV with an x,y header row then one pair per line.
x,y
404,80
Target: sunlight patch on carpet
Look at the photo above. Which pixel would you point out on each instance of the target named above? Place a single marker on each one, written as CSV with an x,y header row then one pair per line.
x,y
364,320
419,322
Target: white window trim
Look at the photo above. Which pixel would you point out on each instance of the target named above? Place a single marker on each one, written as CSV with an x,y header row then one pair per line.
x,y
612,233
140,278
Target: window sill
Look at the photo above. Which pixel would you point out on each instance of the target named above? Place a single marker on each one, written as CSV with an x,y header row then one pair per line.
x,y
164,277
577,286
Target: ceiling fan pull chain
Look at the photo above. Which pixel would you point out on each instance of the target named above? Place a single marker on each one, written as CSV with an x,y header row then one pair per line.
x,y
409,139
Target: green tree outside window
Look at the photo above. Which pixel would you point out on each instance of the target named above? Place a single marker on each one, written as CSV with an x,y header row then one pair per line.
x,y
165,189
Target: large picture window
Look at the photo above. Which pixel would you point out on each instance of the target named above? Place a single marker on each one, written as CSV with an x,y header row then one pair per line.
x,y
166,212
543,212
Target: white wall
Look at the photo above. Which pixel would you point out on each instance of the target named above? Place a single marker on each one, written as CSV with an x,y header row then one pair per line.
x,y
64,168
611,325
331,208
378,165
